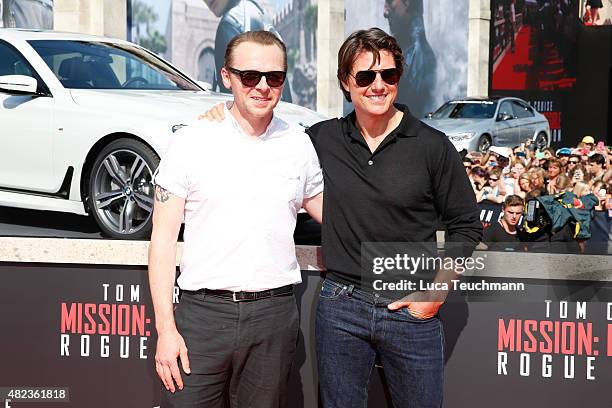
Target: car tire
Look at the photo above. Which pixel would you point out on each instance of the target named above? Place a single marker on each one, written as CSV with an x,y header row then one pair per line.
x,y
484,143
120,191
541,141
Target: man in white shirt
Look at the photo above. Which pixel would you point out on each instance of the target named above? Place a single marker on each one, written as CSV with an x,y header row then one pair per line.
x,y
238,185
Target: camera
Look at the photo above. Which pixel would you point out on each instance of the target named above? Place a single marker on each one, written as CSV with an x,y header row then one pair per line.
x,y
536,215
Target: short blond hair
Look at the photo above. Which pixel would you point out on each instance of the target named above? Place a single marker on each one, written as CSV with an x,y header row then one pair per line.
x,y
260,37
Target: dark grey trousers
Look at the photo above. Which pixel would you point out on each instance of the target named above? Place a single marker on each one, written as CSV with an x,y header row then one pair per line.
x,y
240,353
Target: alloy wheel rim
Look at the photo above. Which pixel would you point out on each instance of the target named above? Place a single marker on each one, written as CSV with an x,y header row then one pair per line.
x,y
540,141
484,145
123,192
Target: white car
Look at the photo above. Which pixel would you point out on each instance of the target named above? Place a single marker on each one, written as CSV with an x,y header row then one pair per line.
x,y
84,121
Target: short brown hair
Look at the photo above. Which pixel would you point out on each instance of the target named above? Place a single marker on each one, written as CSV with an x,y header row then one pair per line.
x,y
513,201
260,37
372,40
556,163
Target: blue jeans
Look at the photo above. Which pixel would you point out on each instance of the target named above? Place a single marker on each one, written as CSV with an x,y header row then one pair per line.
x,y
352,326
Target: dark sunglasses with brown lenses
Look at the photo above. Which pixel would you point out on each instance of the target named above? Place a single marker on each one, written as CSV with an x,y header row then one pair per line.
x,y
251,78
364,78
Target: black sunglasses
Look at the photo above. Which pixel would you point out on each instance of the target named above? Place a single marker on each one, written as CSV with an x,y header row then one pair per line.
x,y
574,161
251,78
365,78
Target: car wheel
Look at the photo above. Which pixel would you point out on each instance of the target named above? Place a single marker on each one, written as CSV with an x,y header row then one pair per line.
x,y
541,141
484,143
120,191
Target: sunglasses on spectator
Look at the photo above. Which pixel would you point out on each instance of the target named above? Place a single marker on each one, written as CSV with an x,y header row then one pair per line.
x,y
364,78
493,179
574,161
251,78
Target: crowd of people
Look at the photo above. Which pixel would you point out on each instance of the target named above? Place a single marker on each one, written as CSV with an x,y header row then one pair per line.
x,y
515,176
524,171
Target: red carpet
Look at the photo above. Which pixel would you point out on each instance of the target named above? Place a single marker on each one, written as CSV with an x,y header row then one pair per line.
x,y
520,70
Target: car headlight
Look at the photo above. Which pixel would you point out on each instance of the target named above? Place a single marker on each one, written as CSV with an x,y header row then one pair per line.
x,y
458,137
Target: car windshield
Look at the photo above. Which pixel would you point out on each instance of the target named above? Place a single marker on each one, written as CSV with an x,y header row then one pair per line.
x,y
101,65
466,110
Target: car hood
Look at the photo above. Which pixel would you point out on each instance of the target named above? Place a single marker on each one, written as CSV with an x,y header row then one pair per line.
x,y
455,125
172,106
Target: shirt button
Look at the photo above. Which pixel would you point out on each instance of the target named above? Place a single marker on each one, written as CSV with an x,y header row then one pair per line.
x,y
370,162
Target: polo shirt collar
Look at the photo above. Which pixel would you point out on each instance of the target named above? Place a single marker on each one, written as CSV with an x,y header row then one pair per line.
x,y
407,127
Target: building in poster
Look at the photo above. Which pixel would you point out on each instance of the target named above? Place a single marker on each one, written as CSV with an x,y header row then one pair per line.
x,y
434,37
36,14
193,35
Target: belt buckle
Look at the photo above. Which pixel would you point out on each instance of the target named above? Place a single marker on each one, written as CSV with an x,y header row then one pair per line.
x,y
234,297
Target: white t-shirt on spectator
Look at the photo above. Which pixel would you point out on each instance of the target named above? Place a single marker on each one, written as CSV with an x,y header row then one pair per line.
x,y
242,199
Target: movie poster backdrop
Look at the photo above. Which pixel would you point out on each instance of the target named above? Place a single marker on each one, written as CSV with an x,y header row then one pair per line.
x,y
533,56
434,37
90,330
193,35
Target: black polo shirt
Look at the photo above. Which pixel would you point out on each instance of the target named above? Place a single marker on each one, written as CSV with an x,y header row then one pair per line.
x,y
399,193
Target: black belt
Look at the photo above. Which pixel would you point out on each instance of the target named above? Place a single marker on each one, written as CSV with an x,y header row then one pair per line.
x,y
244,296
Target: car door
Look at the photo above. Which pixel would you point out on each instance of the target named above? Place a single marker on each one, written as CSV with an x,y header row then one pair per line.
x,y
526,118
26,133
507,130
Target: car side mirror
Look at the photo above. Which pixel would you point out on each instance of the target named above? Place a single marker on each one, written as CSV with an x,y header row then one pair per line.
x,y
18,84
504,116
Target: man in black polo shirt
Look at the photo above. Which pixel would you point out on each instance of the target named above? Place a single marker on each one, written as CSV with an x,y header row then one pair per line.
x,y
388,178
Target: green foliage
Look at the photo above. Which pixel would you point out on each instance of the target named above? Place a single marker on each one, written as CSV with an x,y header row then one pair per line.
x,y
292,57
156,42
310,17
143,15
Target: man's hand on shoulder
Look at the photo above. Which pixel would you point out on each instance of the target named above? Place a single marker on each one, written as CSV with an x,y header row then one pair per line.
x,y
214,114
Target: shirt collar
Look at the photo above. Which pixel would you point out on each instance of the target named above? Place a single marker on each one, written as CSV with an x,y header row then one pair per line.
x,y
274,129
407,127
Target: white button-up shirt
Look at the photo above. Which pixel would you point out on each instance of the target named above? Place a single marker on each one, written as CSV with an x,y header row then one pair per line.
x,y
242,199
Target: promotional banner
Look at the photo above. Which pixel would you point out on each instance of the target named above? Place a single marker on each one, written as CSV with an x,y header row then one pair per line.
x,y
434,37
88,331
552,353
35,14
193,35
84,336
533,55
